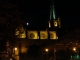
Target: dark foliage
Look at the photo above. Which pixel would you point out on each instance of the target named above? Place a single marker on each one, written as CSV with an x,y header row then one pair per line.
x,y
10,19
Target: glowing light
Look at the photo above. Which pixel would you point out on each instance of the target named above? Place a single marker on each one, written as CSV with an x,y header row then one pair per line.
x,y
15,48
55,23
74,49
53,35
46,50
27,23
49,25
10,58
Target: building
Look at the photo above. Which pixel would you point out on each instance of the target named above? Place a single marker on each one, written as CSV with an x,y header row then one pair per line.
x,y
28,36
33,33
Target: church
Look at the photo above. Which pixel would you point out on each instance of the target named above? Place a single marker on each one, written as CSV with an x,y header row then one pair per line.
x,y
50,32
27,36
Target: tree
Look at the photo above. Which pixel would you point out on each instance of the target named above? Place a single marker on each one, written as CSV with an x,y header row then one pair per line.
x,y
10,17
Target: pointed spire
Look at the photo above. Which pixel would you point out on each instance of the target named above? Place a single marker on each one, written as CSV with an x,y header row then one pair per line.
x,y
52,11
54,22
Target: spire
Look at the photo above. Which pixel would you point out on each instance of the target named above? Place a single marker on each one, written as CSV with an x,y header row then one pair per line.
x,y
54,21
52,11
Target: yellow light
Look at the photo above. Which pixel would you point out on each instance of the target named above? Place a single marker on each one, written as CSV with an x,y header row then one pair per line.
x,y
49,25
55,23
32,34
53,35
43,35
17,33
74,49
15,48
46,50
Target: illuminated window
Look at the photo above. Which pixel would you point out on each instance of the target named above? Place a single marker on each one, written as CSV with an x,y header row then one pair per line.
x,y
32,34
55,23
43,35
49,24
53,35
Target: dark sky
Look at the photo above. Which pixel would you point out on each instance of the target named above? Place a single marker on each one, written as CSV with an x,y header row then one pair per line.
x,y
37,12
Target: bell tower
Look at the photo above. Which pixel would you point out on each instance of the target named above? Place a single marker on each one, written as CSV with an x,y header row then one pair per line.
x,y
54,21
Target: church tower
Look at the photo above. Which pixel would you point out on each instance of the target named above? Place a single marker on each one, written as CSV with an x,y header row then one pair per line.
x,y
54,21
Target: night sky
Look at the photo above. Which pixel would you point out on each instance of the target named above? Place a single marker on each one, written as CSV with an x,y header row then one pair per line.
x,y
36,12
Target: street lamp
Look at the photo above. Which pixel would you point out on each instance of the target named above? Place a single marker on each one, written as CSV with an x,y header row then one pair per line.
x,y
15,48
47,52
74,49
16,51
